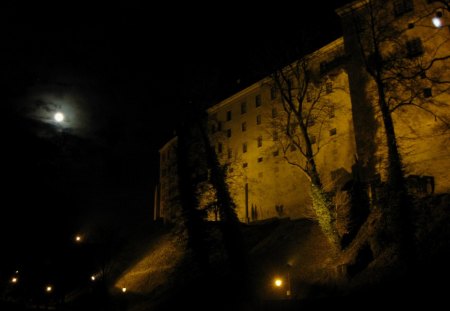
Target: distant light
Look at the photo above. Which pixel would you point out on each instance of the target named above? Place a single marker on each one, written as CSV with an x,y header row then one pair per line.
x,y
59,117
48,289
124,289
78,238
437,22
14,280
278,282
93,278
17,271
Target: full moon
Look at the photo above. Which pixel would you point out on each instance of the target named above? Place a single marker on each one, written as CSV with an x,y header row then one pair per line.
x,y
59,117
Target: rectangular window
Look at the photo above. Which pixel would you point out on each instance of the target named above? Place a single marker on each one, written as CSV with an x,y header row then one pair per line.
x,y
230,153
259,141
219,148
275,135
244,126
403,6
229,133
274,112
244,147
276,153
414,47
329,87
257,101
229,115
260,159
273,93
333,132
243,107
258,119
244,165
427,92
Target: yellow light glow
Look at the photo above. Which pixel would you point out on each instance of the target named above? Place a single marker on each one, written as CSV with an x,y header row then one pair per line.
x,y
78,238
124,289
14,280
278,282
48,289
59,117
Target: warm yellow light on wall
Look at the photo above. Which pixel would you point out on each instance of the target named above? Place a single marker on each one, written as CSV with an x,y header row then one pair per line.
x,y
278,282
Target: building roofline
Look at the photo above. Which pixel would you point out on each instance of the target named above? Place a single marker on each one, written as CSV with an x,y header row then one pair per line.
x,y
326,48
348,8
168,144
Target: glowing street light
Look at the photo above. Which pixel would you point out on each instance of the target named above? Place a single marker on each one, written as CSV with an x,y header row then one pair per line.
x,y
14,280
278,282
124,289
48,289
92,278
78,238
59,117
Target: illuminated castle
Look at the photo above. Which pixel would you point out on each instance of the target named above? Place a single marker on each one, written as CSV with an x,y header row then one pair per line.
x,y
245,127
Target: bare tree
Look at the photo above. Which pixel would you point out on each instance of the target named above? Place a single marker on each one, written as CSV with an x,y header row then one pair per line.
x,y
306,104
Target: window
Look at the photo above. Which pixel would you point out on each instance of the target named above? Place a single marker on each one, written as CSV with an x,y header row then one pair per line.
x,y
244,126
244,165
229,133
259,141
414,47
333,132
427,92
273,93
244,147
258,119
331,113
275,135
219,148
243,107
230,153
403,6
276,153
329,87
258,101
274,112
260,159
229,115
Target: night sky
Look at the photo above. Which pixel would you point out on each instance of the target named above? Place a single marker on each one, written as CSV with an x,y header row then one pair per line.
x,y
124,75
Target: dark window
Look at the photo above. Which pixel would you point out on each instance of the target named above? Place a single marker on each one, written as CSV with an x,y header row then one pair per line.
x,y
414,47
276,153
260,159
332,132
244,126
243,107
274,112
258,119
244,147
229,133
219,148
229,115
273,93
275,135
258,100
244,165
260,141
403,6
427,92
230,170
